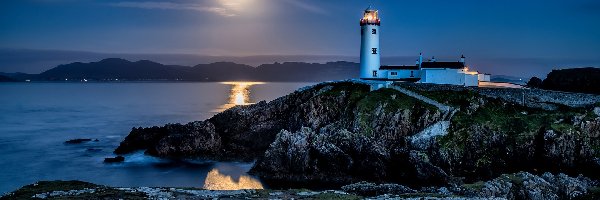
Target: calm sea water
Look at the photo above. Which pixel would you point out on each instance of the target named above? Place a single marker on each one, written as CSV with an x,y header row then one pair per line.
x,y
37,118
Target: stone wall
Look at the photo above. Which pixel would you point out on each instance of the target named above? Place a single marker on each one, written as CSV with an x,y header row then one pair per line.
x,y
535,98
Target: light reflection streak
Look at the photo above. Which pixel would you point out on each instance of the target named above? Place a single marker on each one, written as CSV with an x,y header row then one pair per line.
x,y
239,94
215,180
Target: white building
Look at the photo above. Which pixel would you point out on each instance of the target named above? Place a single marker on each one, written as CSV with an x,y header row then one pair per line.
x,y
455,73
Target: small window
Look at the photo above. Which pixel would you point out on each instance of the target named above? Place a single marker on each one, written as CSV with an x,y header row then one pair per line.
x,y
375,73
374,50
374,31
394,73
412,74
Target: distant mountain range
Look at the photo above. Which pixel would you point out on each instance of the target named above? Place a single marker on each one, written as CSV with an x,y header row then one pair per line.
x,y
6,79
116,69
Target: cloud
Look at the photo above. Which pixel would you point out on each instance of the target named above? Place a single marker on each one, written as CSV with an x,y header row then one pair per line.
x,y
227,8
306,6
220,10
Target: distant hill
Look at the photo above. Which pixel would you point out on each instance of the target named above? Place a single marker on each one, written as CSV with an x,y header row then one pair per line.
x,y
6,79
123,70
582,80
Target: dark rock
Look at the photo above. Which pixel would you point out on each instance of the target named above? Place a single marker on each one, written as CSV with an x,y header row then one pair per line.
x,y
94,150
534,82
77,141
372,189
524,185
117,159
583,80
339,133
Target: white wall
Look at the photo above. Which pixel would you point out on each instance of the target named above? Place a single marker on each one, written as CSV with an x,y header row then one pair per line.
x,y
443,76
401,74
471,80
370,62
484,77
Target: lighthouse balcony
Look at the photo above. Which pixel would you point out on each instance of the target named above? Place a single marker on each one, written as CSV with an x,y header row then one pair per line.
x,y
370,22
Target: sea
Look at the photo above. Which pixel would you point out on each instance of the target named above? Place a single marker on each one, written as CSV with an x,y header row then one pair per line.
x,y
36,118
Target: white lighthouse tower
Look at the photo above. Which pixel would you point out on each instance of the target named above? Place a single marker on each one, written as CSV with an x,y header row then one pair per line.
x,y
369,50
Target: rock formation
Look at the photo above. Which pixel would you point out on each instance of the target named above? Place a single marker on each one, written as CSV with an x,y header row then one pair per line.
x,y
342,132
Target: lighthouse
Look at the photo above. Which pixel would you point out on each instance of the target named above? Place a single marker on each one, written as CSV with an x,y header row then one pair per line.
x,y
369,46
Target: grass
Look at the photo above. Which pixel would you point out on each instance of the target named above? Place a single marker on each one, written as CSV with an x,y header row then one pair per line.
x,y
593,193
391,101
423,195
102,192
506,127
475,186
362,103
334,196
513,119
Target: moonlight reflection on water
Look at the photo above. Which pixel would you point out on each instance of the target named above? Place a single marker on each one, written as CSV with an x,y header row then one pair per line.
x,y
239,94
215,180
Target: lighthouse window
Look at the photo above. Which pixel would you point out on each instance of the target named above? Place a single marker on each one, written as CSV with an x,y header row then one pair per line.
x,y
412,74
374,50
374,73
394,73
374,31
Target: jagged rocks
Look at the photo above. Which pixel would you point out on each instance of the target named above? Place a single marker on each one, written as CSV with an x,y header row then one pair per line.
x,y
173,140
343,132
372,189
524,185
80,141
197,138
117,159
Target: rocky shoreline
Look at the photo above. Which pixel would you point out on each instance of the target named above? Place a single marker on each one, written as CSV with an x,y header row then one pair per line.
x,y
342,132
520,185
461,142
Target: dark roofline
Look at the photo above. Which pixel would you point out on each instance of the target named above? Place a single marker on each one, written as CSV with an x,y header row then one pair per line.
x,y
399,67
443,65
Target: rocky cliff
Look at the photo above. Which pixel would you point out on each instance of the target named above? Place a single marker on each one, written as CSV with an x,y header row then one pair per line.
x,y
573,80
343,132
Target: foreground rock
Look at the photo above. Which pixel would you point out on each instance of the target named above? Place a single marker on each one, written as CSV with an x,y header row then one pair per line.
x,y
520,185
79,141
340,133
574,80
545,187
117,159
83,190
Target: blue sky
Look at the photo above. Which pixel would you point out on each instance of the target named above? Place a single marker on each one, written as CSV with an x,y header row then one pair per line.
x,y
480,29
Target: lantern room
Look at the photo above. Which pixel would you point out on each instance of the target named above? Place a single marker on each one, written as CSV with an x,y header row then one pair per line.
x,y
370,17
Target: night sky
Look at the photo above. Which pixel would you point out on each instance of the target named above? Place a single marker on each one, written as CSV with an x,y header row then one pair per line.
x,y
496,35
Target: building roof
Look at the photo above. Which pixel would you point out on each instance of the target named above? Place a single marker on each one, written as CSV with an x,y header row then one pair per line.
x,y
449,65
399,67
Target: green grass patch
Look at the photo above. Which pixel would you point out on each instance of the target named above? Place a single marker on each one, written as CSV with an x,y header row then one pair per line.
x,y
334,196
452,98
593,193
423,195
390,101
101,192
475,186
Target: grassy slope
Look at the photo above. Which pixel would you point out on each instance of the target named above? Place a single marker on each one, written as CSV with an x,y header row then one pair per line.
x,y
519,124
366,102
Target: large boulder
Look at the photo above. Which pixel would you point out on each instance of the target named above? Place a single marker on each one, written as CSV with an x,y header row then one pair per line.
x,y
525,185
